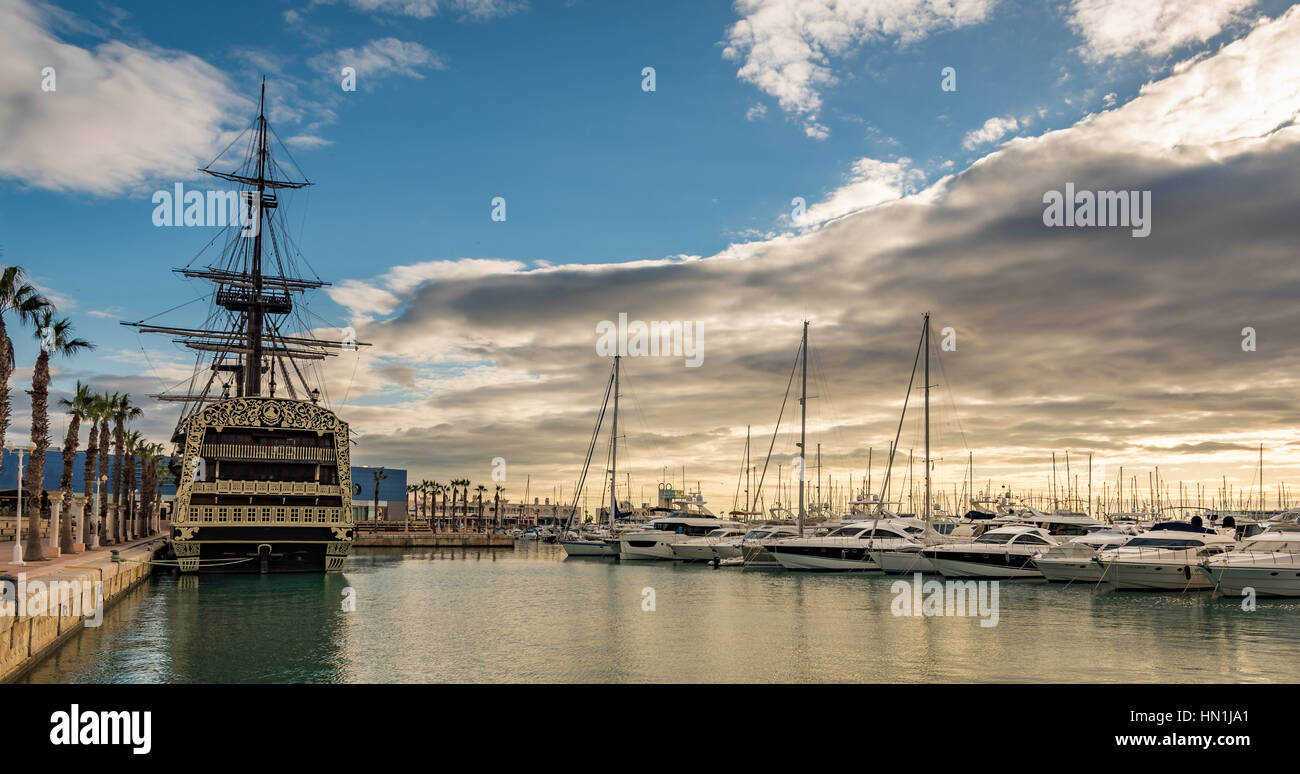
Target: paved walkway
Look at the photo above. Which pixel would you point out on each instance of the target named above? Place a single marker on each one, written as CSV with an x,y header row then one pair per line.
x,y
37,569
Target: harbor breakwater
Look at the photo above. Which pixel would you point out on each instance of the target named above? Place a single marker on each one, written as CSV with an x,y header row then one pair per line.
x,y
31,627
428,539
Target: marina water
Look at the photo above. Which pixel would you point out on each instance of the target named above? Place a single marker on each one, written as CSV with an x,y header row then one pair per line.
x,y
530,615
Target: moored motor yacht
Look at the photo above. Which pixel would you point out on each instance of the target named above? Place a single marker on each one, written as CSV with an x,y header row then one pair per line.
x,y
1072,561
1164,557
1268,562
701,549
848,547
753,546
689,519
1004,552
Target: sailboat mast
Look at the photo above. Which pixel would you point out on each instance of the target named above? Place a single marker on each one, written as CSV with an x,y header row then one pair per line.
x,y
927,417
613,455
803,426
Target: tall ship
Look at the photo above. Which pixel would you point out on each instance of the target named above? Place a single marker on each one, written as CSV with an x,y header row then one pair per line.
x,y
262,464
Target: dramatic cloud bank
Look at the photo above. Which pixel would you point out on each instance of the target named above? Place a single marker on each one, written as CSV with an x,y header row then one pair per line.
x,y
1066,338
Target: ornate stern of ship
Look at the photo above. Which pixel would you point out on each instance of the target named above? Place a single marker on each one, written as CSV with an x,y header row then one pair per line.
x,y
265,486
264,483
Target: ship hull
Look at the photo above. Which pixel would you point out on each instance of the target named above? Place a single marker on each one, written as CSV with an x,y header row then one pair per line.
x,y
235,550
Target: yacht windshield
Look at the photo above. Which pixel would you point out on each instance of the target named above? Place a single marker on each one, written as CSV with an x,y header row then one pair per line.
x,y
845,532
757,533
995,537
719,533
1149,542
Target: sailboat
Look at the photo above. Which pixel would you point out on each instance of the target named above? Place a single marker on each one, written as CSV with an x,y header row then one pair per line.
x,y
596,543
908,558
264,479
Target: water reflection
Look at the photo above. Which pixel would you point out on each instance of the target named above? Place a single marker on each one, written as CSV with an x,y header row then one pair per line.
x,y
491,615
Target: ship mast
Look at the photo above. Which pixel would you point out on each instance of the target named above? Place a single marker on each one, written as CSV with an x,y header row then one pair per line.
x,y
257,305
247,334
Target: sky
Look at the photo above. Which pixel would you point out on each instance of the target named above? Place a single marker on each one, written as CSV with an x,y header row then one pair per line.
x,y
854,164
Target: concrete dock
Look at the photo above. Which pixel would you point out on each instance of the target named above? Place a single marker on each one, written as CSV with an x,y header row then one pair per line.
x,y
31,631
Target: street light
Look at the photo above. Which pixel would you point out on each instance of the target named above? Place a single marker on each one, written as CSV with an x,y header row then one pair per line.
x,y
20,450
94,536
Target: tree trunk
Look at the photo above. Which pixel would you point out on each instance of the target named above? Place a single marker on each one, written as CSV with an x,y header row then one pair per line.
x,y
101,525
34,480
89,484
6,371
119,477
65,483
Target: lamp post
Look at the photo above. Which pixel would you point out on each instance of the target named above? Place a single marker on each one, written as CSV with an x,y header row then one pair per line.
x,y
19,450
94,536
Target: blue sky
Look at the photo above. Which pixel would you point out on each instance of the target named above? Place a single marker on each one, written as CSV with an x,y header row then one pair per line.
x,y
541,102
544,107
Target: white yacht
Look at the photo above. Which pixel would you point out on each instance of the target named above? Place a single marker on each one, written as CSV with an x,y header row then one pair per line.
x,y
1004,552
1164,557
1268,562
689,519
754,546
848,547
597,541
703,549
1072,561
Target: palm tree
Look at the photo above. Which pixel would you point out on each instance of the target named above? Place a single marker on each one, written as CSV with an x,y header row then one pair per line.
x,y
22,299
464,501
436,489
496,508
150,455
94,410
123,412
56,339
411,489
78,406
108,405
133,442
480,489
379,475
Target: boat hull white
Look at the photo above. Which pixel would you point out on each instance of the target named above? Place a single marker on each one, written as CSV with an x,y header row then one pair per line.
x,y
1277,581
1153,576
848,560
901,562
1069,570
589,548
964,568
658,548
692,552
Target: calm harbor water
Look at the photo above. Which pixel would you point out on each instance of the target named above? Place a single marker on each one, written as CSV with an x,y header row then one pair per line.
x,y
531,615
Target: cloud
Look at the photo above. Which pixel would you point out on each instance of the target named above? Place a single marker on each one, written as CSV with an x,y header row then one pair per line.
x,y
381,58
871,182
477,10
788,48
308,141
119,115
1113,28
992,131
1081,339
